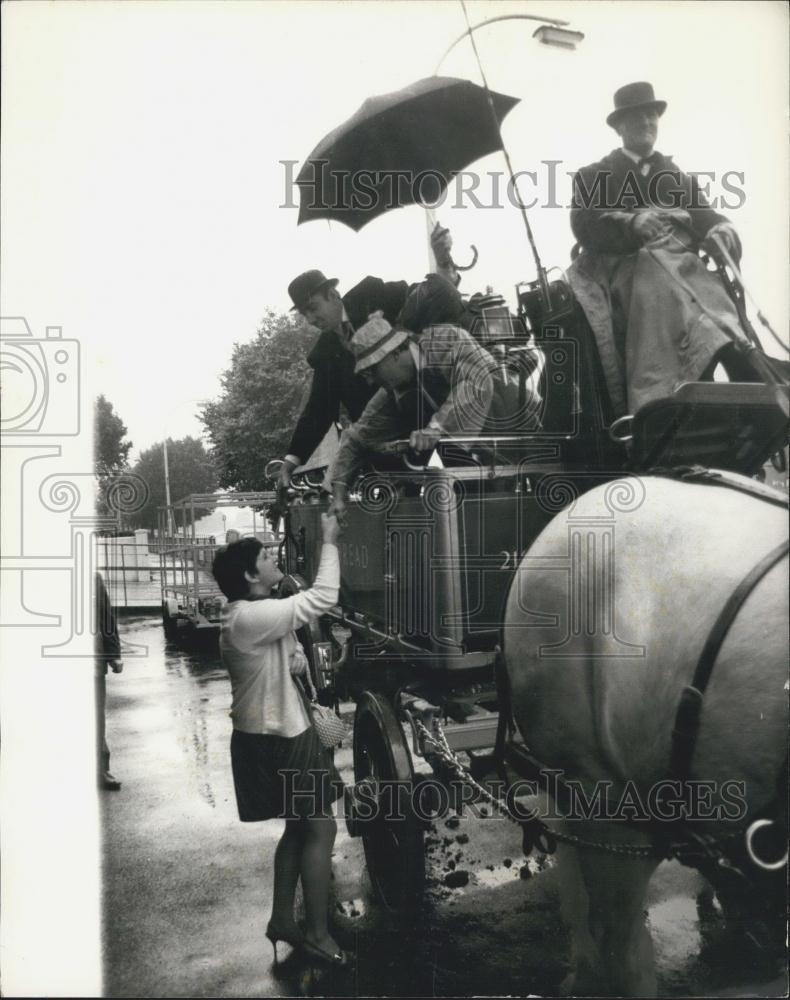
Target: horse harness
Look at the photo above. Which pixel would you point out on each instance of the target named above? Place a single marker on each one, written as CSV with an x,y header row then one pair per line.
x,y
733,859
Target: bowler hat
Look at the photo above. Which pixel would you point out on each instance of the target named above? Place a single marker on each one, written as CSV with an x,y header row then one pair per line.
x,y
374,340
305,285
634,95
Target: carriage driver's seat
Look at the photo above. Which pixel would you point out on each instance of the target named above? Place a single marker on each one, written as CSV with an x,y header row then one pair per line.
x,y
736,426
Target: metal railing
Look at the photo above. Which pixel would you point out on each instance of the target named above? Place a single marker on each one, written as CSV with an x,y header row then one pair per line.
x,y
162,543
131,577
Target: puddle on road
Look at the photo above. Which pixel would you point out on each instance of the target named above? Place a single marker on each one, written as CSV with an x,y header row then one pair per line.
x,y
674,924
195,694
502,875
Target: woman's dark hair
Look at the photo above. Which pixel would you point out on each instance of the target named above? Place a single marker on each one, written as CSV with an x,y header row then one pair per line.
x,y
230,564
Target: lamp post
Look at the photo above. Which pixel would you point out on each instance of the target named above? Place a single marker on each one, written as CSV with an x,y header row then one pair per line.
x,y
167,489
551,32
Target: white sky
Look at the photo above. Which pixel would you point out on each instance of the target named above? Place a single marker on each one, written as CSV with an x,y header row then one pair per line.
x,y
141,148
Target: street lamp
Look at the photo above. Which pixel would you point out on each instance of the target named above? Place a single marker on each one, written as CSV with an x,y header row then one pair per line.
x,y
561,38
551,32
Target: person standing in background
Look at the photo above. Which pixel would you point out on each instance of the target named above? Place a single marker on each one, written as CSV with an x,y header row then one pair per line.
x,y
107,653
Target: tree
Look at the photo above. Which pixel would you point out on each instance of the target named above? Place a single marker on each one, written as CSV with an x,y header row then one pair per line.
x,y
110,450
110,457
262,396
191,471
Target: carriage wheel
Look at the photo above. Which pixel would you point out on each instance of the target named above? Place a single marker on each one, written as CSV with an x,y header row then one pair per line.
x,y
394,850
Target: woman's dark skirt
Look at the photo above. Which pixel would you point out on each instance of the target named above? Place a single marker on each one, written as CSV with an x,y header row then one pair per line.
x,y
282,777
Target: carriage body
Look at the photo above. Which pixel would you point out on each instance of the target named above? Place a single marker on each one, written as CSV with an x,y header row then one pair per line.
x,y
427,558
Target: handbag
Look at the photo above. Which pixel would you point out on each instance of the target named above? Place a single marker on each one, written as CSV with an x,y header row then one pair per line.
x,y
329,727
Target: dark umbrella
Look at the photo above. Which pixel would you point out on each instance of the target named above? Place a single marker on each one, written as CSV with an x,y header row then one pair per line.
x,y
400,149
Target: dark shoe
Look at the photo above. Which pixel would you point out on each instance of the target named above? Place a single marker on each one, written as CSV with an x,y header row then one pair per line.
x,y
338,959
109,783
292,937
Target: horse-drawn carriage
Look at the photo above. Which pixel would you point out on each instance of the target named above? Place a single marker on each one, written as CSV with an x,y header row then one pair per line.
x,y
557,599
438,561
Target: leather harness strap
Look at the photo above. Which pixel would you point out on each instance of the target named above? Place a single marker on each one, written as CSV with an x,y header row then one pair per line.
x,y
684,735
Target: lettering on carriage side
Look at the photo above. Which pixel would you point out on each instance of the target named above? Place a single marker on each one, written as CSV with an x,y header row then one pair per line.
x,y
511,559
353,554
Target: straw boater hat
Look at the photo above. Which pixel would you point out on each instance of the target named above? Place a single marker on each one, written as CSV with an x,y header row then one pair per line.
x,y
374,341
634,95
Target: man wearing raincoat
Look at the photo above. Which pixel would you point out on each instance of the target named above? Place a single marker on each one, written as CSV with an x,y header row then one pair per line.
x,y
659,316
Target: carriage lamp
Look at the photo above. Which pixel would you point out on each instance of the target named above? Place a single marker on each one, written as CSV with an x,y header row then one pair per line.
x,y
325,670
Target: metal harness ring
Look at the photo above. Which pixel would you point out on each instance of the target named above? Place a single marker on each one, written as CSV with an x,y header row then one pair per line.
x,y
768,866
621,422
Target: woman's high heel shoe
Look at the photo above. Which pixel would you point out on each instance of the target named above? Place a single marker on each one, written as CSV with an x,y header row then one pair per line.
x,y
292,937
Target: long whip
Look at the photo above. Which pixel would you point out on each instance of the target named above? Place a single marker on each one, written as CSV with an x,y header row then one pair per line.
x,y
542,279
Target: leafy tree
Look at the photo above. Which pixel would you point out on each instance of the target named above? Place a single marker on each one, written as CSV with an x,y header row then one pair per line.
x,y
191,471
110,450
262,396
110,456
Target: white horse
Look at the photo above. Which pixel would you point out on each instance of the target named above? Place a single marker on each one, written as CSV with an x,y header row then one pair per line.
x,y
606,619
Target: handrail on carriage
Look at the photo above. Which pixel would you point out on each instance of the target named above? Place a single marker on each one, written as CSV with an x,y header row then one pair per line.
x,y
403,448
300,482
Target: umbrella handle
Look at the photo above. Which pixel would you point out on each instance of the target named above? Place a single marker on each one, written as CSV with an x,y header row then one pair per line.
x,y
468,267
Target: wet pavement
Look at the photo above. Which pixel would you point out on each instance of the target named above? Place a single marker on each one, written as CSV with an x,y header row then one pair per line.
x,y
187,886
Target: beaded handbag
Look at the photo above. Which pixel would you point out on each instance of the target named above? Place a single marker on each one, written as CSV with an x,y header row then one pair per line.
x,y
329,727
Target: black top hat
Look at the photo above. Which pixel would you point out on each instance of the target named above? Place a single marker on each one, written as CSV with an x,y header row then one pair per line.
x,y
307,284
634,95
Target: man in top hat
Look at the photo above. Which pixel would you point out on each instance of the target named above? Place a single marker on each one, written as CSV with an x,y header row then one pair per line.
x,y
659,317
334,381
638,185
440,384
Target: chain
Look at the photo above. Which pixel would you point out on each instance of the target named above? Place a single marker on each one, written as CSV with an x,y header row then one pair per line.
x,y
439,740
451,759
